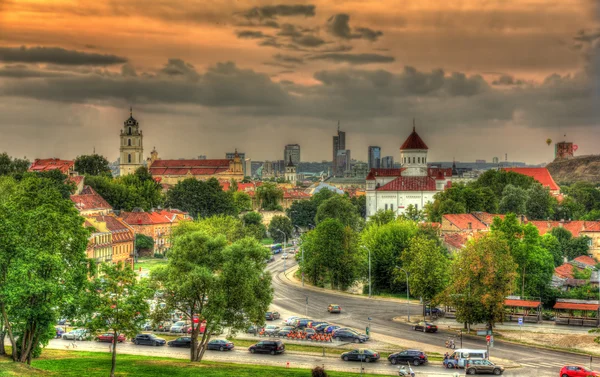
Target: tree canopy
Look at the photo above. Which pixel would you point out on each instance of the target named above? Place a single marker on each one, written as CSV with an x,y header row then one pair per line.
x,y
279,226
201,198
93,164
341,208
9,165
269,196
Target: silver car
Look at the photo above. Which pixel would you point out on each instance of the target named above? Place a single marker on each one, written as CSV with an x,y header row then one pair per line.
x,y
179,326
79,334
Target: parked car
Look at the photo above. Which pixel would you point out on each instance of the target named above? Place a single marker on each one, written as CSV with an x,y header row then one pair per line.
x,y
433,311
301,322
290,321
332,308
425,327
188,328
108,337
285,331
330,329
321,328
163,326
313,324
271,329
309,332
349,336
59,331
219,345
79,334
577,371
254,329
179,326
268,346
484,366
415,357
271,316
149,340
182,341
363,354
147,326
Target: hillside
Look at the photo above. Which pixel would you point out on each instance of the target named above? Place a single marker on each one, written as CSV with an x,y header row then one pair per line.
x,y
581,168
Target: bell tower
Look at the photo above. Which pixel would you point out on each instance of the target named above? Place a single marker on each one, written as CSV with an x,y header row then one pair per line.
x,y
132,149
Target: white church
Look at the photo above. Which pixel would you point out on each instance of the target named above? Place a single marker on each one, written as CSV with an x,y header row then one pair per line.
x,y
413,183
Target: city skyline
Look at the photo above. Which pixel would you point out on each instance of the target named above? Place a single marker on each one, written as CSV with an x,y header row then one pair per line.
x,y
482,79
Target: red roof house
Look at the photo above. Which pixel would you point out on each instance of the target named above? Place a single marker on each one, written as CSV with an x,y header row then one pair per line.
x,y
542,175
65,166
462,222
410,184
89,202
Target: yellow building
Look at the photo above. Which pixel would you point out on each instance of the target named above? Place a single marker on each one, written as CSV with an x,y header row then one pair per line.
x,y
114,239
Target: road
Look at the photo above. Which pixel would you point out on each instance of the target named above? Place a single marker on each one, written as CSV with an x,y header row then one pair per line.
x,y
357,310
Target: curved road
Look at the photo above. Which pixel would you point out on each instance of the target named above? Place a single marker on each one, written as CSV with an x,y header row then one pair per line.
x,y
357,310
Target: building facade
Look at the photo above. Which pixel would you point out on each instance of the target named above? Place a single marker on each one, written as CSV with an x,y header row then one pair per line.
x,y
387,162
231,155
290,172
339,160
374,157
65,166
293,151
132,148
156,224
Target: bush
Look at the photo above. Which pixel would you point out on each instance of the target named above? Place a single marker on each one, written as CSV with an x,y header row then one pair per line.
x,y
159,255
319,372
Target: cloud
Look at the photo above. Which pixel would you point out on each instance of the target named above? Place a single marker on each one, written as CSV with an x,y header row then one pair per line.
x,y
339,26
280,10
25,71
289,30
250,34
355,59
56,55
288,59
309,41
587,36
507,80
178,68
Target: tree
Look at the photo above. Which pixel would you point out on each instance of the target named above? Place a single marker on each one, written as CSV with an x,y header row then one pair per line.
x,y
279,226
381,217
269,196
513,200
586,194
360,202
331,255
339,207
551,243
93,164
578,246
302,212
322,196
413,214
427,265
483,274
497,180
538,205
125,193
568,209
143,242
230,227
226,286
387,243
233,186
242,201
318,372
201,198
253,225
9,166
119,303
42,261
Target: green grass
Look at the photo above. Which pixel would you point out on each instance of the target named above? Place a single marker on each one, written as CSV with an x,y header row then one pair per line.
x,y
149,263
57,363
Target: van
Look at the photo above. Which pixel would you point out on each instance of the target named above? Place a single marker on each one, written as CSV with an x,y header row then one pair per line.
x,y
463,354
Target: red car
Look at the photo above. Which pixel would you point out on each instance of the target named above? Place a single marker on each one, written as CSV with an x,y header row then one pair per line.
x,y
202,328
108,337
577,371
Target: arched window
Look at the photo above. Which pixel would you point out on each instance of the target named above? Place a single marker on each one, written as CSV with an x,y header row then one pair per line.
x,y
129,158
129,131
129,142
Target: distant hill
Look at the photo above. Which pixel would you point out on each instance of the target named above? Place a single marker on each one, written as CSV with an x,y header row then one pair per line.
x,y
576,169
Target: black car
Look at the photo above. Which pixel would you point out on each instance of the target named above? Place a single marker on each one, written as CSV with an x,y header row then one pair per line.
x,y
270,316
219,345
182,341
285,331
268,346
363,354
349,336
149,340
425,327
415,357
320,328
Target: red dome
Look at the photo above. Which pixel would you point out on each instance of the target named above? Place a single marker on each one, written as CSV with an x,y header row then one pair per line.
x,y
414,141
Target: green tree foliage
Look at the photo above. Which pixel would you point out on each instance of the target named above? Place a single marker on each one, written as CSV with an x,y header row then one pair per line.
x,y
513,200
118,302
42,261
483,274
381,217
413,214
387,243
269,196
497,180
360,202
253,225
93,164
331,255
551,243
568,209
143,242
302,212
201,198
339,207
9,165
278,226
538,205
242,201
230,227
571,247
322,196
593,215
585,194
224,285
428,268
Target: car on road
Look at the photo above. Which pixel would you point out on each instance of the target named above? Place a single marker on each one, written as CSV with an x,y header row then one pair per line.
x,y
271,316
108,337
148,340
268,346
577,371
178,327
284,255
182,341
285,331
220,345
484,366
415,357
425,327
78,334
349,336
332,308
271,330
361,354
270,259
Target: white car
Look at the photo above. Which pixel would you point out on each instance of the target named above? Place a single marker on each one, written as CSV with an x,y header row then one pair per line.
x,y
290,320
284,255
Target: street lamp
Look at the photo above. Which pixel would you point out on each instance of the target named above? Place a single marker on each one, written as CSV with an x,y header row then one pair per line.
x,y
407,294
369,251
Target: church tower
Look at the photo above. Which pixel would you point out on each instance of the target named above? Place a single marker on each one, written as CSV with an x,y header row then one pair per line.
x,y
290,172
132,149
413,155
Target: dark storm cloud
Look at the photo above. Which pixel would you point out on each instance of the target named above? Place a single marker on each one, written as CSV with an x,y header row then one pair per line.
x,y
339,26
250,34
56,55
289,30
355,59
309,41
24,71
507,80
288,59
179,68
283,10
587,36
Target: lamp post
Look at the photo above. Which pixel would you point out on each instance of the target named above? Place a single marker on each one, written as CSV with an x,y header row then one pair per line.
x,y
407,294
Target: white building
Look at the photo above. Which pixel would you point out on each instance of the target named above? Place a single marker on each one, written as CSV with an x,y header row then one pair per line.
x,y
413,183
290,172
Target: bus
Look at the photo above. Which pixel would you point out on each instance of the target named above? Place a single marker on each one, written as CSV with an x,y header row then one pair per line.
x,y
276,248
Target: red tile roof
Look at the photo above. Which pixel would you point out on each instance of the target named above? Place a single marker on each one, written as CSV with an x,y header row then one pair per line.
x,y
386,172
295,194
564,271
190,163
487,218
456,240
150,218
542,175
433,172
185,171
77,179
410,184
51,164
462,221
245,187
575,227
120,231
522,303
89,199
414,141
586,260
575,306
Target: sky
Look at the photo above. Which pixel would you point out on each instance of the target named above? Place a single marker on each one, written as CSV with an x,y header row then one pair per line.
x,y
480,78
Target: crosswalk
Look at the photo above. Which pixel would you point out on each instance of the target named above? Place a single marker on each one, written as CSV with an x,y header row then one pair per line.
x,y
534,364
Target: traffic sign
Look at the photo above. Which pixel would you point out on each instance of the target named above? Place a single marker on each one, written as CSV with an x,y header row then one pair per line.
x,y
520,321
488,337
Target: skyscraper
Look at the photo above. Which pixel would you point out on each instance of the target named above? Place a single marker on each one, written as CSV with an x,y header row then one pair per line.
x,y
374,157
387,162
339,144
292,150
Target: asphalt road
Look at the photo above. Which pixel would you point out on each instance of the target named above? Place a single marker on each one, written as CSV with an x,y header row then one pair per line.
x,y
357,310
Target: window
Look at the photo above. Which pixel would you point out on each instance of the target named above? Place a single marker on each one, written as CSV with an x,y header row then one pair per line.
x,y
129,131
413,160
129,142
419,160
386,206
129,158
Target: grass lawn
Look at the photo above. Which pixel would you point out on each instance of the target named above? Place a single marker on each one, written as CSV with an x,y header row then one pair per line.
x,y
92,364
149,263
